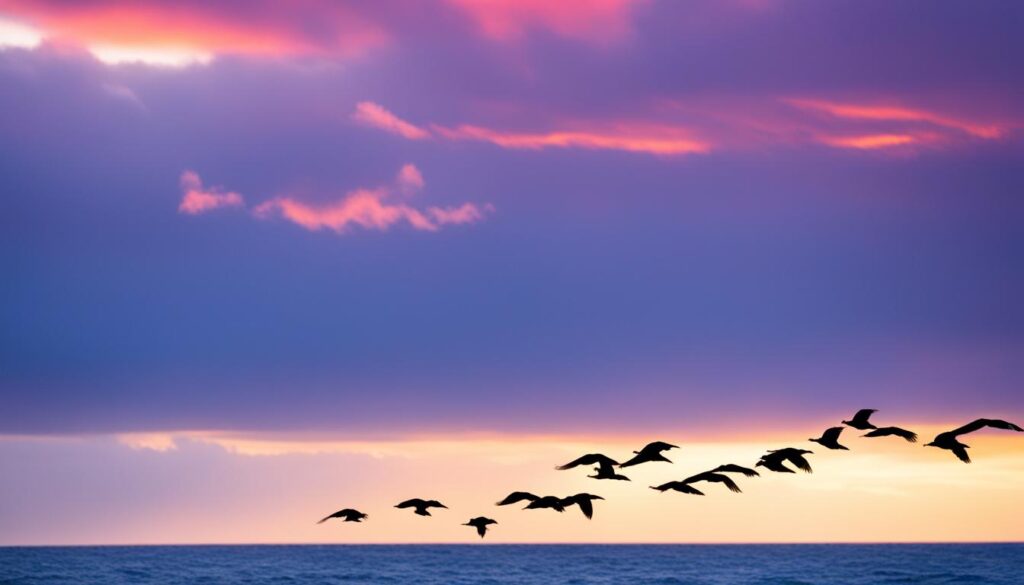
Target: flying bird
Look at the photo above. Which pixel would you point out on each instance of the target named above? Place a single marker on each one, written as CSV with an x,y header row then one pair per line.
x,y
421,506
678,486
910,436
712,477
774,460
605,466
860,420
830,439
480,523
948,440
347,515
584,501
731,468
650,452
536,502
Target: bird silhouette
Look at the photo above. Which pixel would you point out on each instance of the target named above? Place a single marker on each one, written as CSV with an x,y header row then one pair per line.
x,y
347,515
421,505
910,436
948,440
712,477
774,459
536,502
480,523
830,439
650,452
605,466
678,486
731,468
860,420
584,501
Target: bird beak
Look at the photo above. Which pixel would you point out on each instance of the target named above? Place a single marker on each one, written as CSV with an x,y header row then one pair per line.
x,y
443,506
598,498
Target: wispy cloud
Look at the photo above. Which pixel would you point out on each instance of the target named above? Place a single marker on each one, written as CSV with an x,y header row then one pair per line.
x,y
376,116
893,113
198,199
664,140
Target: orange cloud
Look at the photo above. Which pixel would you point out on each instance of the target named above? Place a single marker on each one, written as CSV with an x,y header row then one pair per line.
x,y
897,114
651,140
172,34
597,21
868,141
197,199
377,116
369,209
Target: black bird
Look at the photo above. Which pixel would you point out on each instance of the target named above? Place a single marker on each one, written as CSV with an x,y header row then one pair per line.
x,y
481,524
860,420
347,515
948,440
536,502
712,477
605,466
584,501
421,505
910,436
731,468
774,460
830,439
650,452
678,486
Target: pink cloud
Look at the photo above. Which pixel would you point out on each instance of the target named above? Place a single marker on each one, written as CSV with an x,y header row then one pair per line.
x,y
197,199
376,116
889,113
596,21
869,141
409,179
664,140
370,209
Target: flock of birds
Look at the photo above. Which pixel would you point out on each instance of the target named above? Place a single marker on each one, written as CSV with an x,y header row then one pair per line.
x,y
774,460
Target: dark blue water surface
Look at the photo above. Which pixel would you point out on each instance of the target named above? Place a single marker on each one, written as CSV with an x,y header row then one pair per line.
x,y
1001,564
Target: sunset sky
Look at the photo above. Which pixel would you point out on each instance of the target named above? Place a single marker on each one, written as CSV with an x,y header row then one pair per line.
x,y
265,260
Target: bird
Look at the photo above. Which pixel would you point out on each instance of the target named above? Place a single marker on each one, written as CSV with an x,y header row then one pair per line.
x,y
774,459
421,505
347,515
712,477
605,466
584,501
830,439
480,523
731,468
910,436
536,502
650,452
678,486
860,420
948,440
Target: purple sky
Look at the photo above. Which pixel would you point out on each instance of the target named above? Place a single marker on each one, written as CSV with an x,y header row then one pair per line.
x,y
618,215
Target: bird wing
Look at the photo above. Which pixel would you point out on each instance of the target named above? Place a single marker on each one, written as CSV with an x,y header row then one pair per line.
x,y
893,431
705,476
413,503
434,504
586,506
658,447
637,459
831,435
481,529
982,423
863,415
589,459
666,486
518,497
961,453
732,468
729,483
800,463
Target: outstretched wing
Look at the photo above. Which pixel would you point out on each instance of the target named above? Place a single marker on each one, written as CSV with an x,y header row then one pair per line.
x,y
658,447
589,459
515,497
729,483
413,503
893,431
802,464
863,415
831,435
586,506
732,468
481,529
961,453
982,423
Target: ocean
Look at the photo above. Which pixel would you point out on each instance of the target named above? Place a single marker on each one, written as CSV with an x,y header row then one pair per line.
x,y
995,564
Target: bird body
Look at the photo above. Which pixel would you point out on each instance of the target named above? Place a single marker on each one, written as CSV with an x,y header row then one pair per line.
x,y
678,486
346,515
607,472
421,506
910,436
553,502
712,477
480,523
830,439
948,440
860,420
584,501
589,459
650,452
774,459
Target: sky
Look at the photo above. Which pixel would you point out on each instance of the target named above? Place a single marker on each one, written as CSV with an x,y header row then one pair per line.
x,y
262,264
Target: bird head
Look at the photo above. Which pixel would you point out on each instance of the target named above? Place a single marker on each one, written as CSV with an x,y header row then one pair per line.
x,y
932,444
